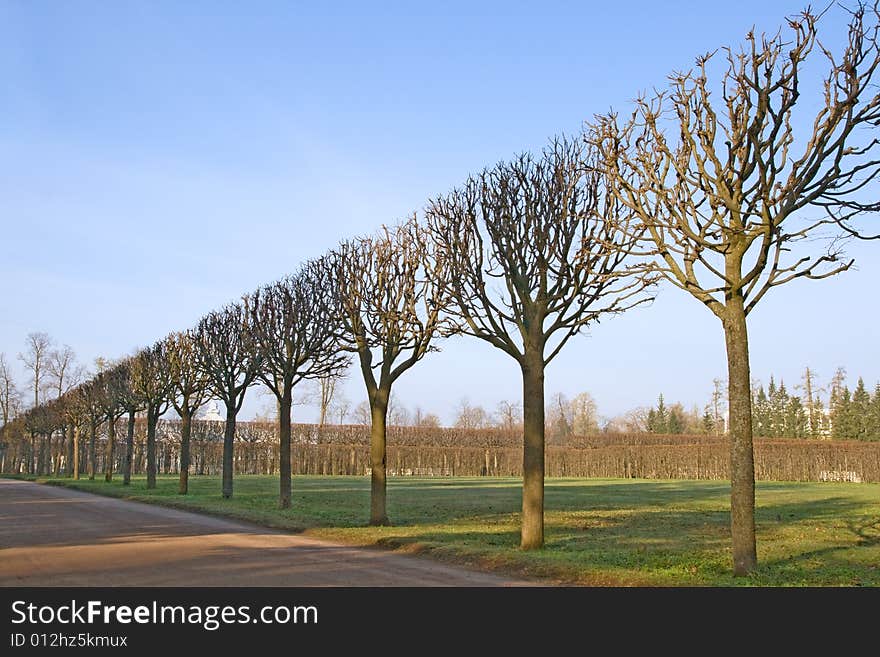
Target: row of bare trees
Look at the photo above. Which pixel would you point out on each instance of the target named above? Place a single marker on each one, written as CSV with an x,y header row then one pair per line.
x,y
718,184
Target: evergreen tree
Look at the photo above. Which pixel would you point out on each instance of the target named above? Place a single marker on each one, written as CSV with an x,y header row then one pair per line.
x,y
823,422
709,422
780,409
661,417
861,403
761,413
796,423
841,415
874,414
676,420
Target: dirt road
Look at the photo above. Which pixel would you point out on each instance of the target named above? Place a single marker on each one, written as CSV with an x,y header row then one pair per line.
x,y
52,536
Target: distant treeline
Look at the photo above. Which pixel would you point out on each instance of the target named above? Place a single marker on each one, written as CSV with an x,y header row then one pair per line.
x,y
416,451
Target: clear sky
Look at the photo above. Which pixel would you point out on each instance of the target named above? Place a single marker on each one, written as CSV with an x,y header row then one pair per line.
x,y
158,159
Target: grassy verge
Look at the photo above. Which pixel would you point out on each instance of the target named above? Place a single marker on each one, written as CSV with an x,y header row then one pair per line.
x,y
602,532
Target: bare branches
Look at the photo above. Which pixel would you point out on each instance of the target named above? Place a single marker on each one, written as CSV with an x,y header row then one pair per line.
x,y
189,383
112,387
61,366
10,398
293,332
226,353
388,293
723,202
34,359
151,379
538,250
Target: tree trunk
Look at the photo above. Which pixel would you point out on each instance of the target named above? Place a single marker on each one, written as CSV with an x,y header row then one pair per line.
x,y
228,443
129,449
378,473
185,433
742,457
75,443
71,448
46,455
109,449
152,418
284,405
93,451
533,452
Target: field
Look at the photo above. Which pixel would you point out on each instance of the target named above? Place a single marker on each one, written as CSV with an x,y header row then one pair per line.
x,y
598,531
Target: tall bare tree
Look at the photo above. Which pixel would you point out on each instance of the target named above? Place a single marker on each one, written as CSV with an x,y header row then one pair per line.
x,y
584,415
152,384
325,394
226,354
62,370
726,199
10,398
811,388
63,374
537,253
295,339
34,358
389,293
189,392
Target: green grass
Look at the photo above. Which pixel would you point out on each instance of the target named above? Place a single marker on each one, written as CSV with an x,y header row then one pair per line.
x,y
598,531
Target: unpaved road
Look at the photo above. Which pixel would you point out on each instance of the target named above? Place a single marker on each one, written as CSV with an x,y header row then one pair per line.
x,y
52,536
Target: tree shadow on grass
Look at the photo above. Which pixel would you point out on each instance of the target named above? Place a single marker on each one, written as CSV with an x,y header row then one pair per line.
x,y
659,545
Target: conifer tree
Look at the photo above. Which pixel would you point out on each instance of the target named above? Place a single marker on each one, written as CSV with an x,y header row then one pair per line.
x,y
861,403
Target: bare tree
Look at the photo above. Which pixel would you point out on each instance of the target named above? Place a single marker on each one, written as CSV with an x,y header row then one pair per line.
x,y
468,416
153,386
325,394
811,389
341,407
76,412
295,338
132,404
584,415
111,385
632,421
189,392
389,293
63,374
558,417
94,413
422,419
227,355
537,253
398,414
34,359
718,403
509,415
40,421
10,398
726,200
62,370
361,414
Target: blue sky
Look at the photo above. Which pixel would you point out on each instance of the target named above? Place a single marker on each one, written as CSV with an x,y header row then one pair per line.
x,y
158,159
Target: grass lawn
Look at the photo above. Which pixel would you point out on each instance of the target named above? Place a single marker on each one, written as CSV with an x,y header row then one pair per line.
x,y
598,531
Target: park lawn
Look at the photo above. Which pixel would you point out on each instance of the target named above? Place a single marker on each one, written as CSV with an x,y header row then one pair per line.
x,y
614,532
